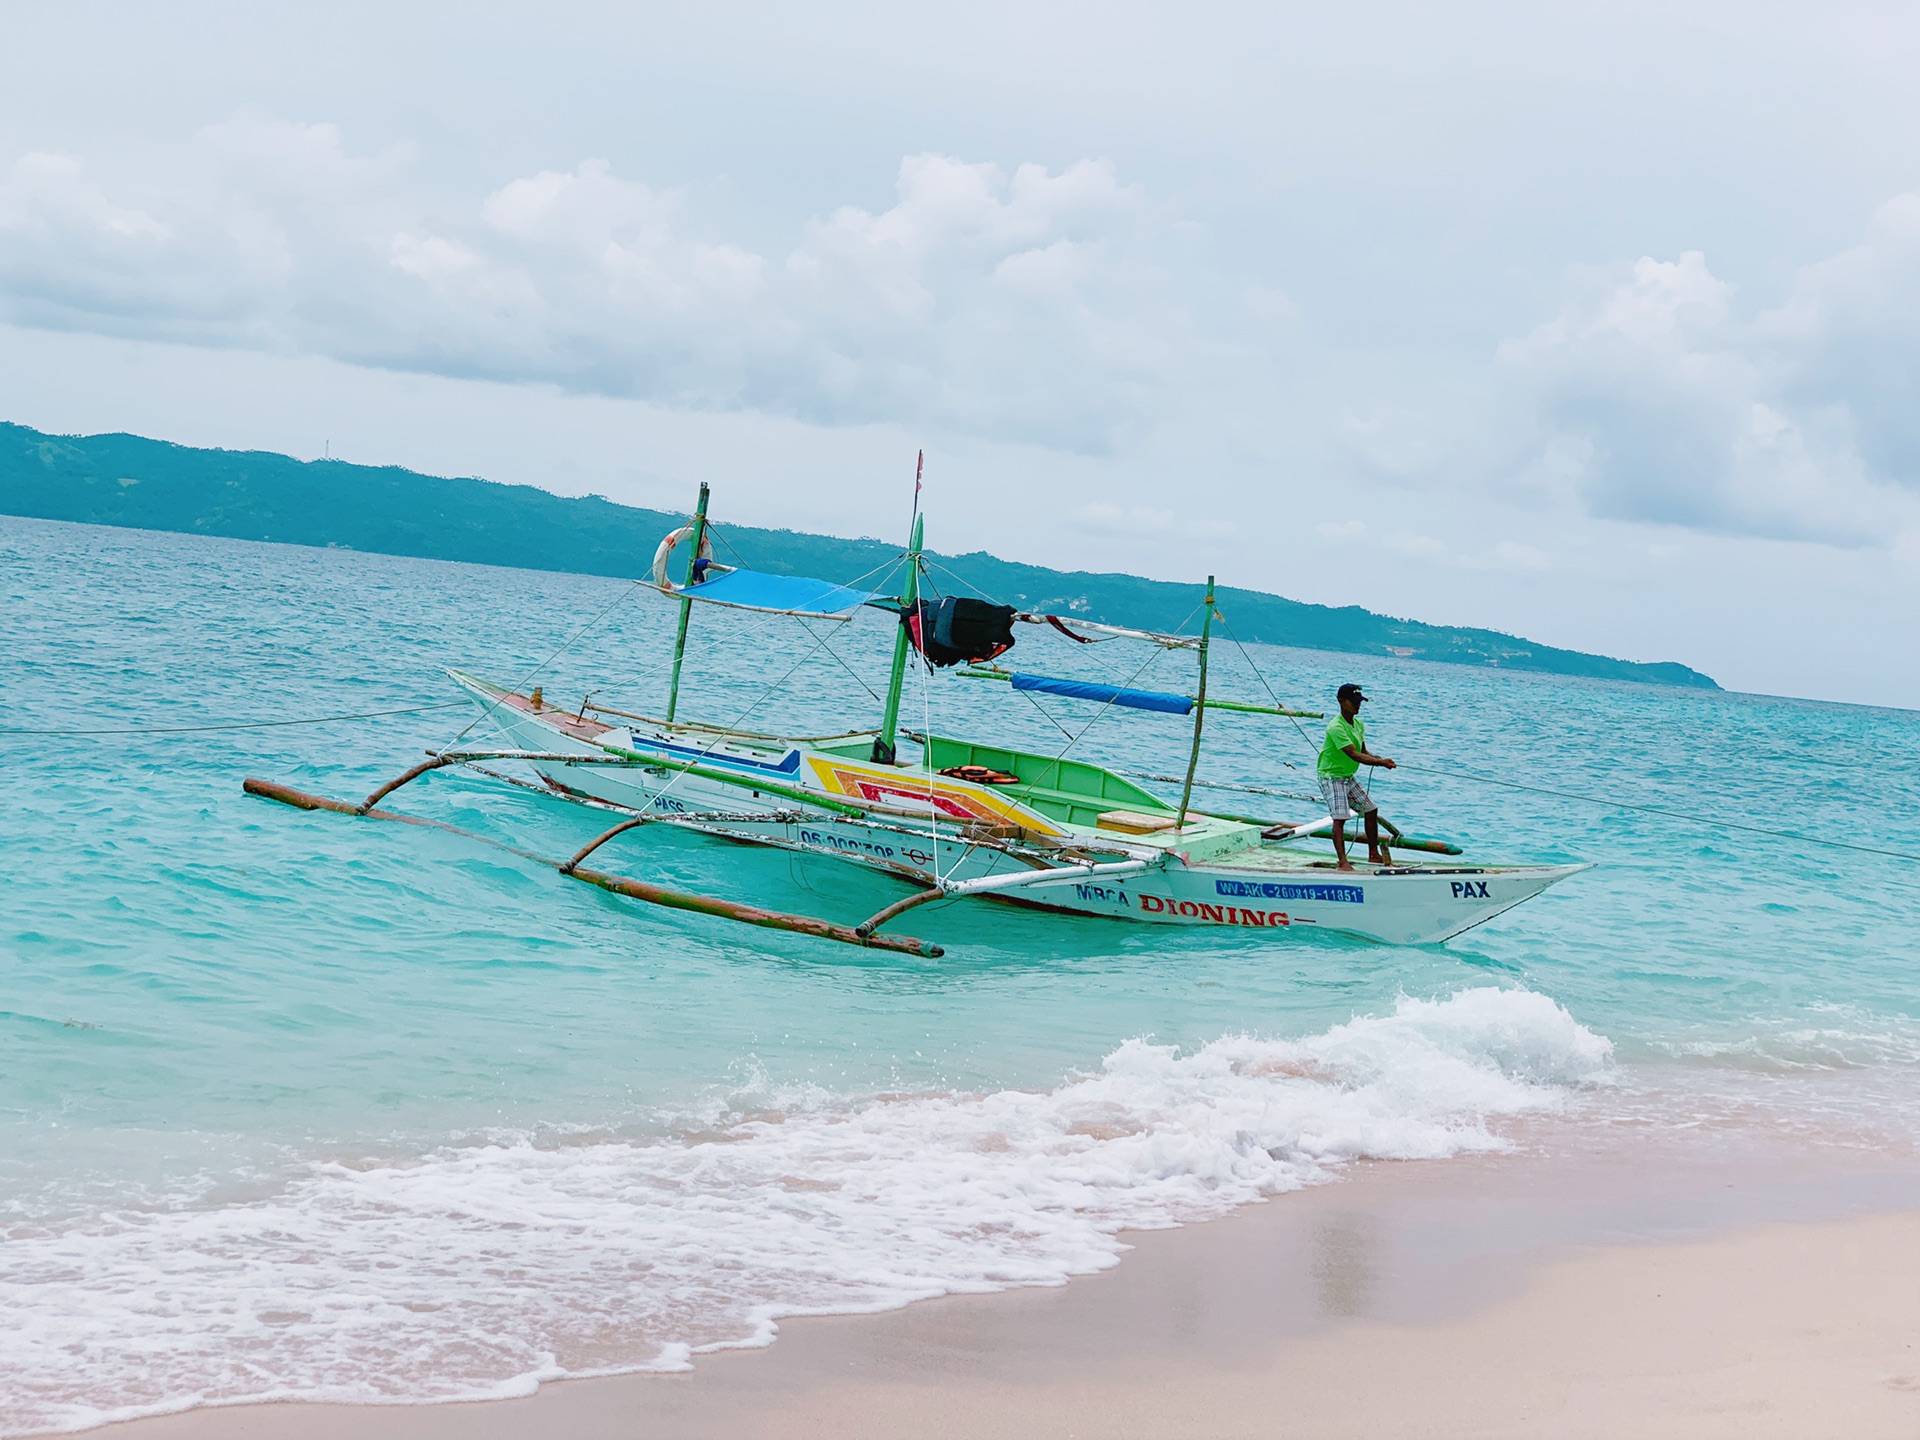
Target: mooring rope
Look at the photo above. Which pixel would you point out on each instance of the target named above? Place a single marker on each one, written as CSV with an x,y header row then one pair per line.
x,y
1703,820
247,724
1706,820
1225,785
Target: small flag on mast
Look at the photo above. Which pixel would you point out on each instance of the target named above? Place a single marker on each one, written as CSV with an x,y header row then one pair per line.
x,y
919,468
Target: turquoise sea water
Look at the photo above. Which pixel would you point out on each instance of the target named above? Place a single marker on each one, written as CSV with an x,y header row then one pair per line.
x,y
293,1105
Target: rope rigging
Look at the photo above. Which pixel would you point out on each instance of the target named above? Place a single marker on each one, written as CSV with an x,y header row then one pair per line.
x,y
1100,714
565,646
820,643
684,770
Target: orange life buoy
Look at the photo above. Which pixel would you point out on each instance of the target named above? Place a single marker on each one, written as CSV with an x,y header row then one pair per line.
x,y
980,775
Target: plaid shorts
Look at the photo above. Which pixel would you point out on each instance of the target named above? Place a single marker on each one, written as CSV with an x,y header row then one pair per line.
x,y
1345,795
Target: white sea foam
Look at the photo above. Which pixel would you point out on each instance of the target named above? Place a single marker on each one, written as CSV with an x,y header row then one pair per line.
x,y
481,1271
1820,1036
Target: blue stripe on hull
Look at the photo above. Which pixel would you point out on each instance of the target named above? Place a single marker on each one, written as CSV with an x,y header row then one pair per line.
x,y
789,763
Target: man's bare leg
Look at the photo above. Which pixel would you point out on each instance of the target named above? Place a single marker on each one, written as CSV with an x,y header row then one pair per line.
x,y
1340,845
1373,838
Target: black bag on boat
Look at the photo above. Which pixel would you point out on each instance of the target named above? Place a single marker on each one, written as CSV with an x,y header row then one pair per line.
x,y
960,629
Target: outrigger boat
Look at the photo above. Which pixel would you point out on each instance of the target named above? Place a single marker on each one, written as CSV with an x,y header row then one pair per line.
x,y
955,818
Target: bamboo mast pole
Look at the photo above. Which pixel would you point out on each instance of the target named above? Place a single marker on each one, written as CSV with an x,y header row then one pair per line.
x,y
686,602
1199,709
883,745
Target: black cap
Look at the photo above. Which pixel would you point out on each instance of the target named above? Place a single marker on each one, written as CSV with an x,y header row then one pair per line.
x,y
1349,692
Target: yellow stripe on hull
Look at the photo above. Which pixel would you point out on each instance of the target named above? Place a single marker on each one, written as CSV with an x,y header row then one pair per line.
x,y
885,785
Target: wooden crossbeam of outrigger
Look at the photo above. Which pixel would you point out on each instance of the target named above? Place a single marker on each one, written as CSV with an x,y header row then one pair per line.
x,y
862,936
999,884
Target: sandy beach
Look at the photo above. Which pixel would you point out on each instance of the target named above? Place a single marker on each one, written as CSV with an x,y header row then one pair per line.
x,y
1675,1287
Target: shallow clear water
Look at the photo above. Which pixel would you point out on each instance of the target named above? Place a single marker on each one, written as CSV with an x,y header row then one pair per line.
x,y
292,1105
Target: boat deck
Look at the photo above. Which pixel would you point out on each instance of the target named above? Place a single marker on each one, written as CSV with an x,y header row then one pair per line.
x,y
566,721
1078,794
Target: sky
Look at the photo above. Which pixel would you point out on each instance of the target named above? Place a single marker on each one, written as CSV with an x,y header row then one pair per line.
x,y
1598,324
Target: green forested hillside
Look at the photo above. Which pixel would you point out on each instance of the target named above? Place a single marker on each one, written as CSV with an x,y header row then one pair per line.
x,y
255,495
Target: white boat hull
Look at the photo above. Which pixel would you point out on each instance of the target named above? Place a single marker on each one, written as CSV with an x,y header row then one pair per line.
x,y
1274,889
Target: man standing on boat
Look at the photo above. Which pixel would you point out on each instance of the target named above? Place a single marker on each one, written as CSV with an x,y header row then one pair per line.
x,y
1341,757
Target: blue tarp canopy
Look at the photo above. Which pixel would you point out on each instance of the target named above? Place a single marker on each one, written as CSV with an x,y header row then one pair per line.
x,y
782,594
1107,694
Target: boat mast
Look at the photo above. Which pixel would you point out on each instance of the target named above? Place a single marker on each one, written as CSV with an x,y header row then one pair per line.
x,y
910,599
686,603
1199,710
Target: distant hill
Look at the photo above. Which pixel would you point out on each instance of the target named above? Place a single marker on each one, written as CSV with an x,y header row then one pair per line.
x,y
255,495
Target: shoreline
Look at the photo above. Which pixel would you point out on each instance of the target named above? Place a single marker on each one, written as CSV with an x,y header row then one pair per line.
x,y
1606,1283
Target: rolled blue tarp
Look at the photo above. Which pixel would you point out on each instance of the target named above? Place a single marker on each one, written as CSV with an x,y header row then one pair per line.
x,y
1107,694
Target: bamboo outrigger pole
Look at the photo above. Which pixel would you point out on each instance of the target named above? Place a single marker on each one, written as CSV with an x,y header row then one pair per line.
x,y
618,884
686,602
1199,710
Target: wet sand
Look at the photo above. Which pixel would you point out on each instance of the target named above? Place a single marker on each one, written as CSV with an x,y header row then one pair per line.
x,y
1618,1285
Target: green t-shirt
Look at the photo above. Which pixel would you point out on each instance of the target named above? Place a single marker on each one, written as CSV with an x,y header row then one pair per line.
x,y
1342,732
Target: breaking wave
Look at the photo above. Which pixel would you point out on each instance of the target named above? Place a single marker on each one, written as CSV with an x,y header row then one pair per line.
x,y
480,1270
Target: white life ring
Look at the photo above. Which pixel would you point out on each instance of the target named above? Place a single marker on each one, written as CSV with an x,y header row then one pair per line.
x,y
666,549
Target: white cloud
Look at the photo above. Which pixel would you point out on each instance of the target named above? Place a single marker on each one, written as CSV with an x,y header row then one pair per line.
x,y
1848,338
1149,522
1659,304
429,258
588,228
67,248
1132,520
256,232
1658,402
1026,306
1516,556
50,194
1415,546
